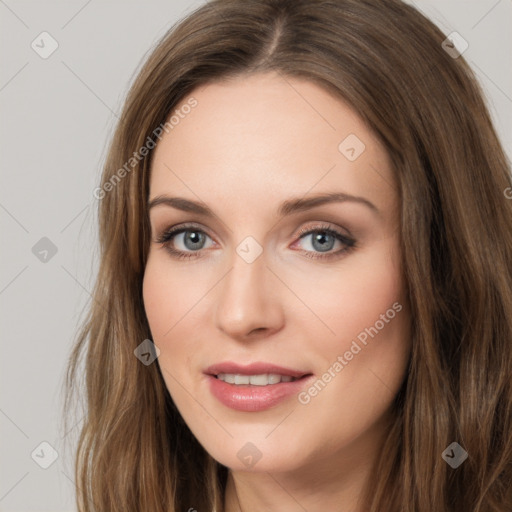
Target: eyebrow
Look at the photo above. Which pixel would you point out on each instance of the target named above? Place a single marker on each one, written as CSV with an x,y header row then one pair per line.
x,y
286,208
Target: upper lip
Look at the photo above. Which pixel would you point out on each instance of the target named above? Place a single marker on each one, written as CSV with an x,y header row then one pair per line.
x,y
257,368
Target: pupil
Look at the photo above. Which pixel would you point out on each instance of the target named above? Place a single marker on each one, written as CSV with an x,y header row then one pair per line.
x,y
194,237
321,238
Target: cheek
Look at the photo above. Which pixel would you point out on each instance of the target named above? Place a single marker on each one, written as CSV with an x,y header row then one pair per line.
x,y
352,295
364,343
168,294
174,300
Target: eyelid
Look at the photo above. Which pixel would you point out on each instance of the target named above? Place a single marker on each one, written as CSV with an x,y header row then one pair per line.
x,y
324,226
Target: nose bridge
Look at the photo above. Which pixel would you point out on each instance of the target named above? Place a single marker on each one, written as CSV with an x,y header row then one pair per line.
x,y
245,301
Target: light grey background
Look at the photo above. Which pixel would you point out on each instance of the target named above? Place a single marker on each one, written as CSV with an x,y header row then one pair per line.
x,y
56,117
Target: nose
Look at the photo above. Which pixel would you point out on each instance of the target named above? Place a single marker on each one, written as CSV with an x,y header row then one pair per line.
x,y
248,304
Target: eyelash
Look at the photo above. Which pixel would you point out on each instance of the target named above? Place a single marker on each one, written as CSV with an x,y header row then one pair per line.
x,y
170,233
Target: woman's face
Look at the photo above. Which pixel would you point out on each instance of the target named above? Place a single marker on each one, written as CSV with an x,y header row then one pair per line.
x,y
260,280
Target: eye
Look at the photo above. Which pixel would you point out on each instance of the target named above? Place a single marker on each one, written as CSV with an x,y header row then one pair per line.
x,y
189,238
322,239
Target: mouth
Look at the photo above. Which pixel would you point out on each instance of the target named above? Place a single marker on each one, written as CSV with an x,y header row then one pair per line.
x,y
256,387
254,374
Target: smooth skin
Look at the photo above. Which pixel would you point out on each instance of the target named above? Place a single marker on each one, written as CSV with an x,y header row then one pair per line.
x,y
249,145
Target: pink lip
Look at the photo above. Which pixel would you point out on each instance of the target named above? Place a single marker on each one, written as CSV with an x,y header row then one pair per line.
x,y
250,398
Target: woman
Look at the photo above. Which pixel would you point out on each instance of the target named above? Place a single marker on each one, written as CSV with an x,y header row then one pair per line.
x,y
304,300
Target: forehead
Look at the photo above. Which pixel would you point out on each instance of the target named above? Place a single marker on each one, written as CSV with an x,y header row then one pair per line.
x,y
267,137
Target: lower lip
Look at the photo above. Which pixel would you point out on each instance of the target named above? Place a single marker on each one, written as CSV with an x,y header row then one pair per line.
x,y
254,398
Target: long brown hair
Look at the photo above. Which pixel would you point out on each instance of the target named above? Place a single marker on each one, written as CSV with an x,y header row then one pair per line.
x,y
383,57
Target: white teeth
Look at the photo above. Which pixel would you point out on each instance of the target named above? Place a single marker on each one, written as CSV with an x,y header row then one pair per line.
x,y
228,377
242,379
274,379
259,380
256,380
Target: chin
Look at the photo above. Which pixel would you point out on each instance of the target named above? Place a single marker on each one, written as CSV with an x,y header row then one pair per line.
x,y
257,455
